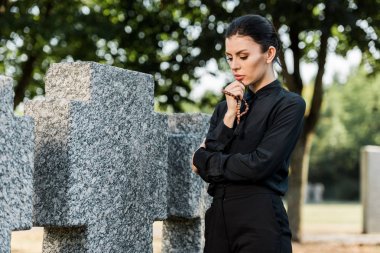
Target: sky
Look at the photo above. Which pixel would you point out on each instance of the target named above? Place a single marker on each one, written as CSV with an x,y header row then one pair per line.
x,y
335,65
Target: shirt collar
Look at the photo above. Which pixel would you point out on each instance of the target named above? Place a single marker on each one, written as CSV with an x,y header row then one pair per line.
x,y
249,94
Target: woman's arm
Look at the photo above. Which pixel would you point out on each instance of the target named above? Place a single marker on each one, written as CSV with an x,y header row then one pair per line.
x,y
276,145
218,136
221,131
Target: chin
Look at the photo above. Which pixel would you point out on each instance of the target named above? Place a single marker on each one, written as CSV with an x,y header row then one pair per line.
x,y
249,82
245,82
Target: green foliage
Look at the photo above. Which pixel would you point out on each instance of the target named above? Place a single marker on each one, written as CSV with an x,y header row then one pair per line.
x,y
168,39
350,119
148,36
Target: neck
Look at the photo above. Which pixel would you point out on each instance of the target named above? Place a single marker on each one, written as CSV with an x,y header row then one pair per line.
x,y
264,81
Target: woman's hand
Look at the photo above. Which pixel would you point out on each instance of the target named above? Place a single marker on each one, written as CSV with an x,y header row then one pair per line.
x,y
236,88
193,168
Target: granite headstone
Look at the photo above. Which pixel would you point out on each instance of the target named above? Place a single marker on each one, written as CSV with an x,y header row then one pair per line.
x,y
16,167
101,160
187,196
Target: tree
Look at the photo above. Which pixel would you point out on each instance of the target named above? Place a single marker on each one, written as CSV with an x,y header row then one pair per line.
x,y
311,38
348,122
35,35
149,36
170,39
310,30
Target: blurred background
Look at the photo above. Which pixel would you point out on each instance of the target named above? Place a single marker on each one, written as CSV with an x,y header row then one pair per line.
x,y
330,56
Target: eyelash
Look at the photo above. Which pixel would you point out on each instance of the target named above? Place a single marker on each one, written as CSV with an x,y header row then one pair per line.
x,y
241,57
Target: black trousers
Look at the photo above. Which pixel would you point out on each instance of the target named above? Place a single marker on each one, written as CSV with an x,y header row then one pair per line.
x,y
246,219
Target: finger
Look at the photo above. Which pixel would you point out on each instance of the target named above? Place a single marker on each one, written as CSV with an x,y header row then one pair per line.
x,y
238,92
237,87
194,169
241,84
232,85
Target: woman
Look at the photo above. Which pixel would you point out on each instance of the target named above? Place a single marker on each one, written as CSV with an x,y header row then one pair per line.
x,y
246,163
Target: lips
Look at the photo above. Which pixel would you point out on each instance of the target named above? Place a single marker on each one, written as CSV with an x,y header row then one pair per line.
x,y
239,77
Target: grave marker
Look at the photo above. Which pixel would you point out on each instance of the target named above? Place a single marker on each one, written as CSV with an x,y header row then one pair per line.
x,y
187,196
101,158
370,188
16,167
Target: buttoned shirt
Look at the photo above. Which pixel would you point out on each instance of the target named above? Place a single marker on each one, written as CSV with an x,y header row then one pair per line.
x,y
258,150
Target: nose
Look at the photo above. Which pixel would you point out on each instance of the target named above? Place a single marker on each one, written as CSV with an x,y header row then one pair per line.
x,y
234,64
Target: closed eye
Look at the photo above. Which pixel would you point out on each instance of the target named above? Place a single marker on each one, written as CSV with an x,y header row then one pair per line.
x,y
229,58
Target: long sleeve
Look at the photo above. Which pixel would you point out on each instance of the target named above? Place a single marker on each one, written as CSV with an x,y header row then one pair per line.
x,y
274,149
218,136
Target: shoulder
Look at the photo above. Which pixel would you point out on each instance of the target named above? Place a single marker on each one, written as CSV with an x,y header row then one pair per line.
x,y
292,99
289,103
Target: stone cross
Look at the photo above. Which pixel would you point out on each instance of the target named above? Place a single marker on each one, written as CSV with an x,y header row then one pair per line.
x,y
16,167
100,160
370,188
187,196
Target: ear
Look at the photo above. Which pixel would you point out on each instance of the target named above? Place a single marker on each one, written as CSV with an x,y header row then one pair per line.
x,y
271,53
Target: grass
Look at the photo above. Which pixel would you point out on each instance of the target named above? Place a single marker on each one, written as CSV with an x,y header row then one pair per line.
x,y
333,217
325,218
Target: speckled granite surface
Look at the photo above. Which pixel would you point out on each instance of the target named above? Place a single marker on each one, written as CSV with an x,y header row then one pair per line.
x,y
107,166
187,196
101,160
16,167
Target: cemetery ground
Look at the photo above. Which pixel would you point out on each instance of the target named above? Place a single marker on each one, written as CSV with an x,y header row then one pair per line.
x,y
327,226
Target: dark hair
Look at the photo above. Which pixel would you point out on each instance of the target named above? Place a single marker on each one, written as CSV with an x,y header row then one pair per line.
x,y
260,29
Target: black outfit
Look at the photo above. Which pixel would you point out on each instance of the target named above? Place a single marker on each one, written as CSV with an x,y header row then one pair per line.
x,y
247,168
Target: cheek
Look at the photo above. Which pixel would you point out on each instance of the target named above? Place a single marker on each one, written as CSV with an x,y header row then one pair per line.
x,y
255,64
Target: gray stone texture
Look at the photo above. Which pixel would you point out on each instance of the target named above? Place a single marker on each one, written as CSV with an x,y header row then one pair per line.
x,y
100,160
183,235
370,188
16,167
187,195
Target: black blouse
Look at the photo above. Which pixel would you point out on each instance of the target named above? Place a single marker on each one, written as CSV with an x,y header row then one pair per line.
x,y
257,151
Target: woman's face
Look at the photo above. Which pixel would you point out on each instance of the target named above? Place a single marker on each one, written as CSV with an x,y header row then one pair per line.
x,y
248,63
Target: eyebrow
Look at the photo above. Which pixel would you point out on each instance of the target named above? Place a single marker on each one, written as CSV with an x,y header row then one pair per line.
x,y
240,51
